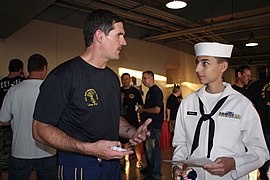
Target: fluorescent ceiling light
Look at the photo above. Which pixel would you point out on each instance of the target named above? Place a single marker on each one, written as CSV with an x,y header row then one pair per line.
x,y
251,44
138,74
175,4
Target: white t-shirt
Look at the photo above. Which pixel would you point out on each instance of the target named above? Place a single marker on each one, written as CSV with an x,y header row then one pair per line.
x,y
18,107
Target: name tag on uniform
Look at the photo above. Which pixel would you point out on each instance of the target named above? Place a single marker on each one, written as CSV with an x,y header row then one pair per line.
x,y
192,113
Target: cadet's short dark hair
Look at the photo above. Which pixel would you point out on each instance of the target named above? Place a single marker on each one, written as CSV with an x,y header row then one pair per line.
x,y
15,65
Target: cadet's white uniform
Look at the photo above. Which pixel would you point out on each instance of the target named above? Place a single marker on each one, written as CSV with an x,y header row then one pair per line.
x,y
237,125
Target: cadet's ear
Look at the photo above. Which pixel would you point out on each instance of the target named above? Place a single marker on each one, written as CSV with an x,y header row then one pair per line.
x,y
224,66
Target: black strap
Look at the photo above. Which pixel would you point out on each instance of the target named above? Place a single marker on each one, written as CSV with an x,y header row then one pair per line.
x,y
203,118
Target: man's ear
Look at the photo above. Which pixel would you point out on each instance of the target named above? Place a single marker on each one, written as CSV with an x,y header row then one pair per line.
x,y
99,35
239,74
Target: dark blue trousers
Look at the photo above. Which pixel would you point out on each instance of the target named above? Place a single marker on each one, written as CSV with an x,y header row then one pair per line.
x,y
80,167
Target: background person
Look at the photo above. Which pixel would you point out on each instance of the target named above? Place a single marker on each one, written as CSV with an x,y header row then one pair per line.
x,y
242,78
78,108
211,123
18,108
154,109
172,105
14,76
260,91
130,99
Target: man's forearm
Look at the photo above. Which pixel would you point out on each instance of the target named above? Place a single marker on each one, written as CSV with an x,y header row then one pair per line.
x,y
52,136
154,110
126,130
168,114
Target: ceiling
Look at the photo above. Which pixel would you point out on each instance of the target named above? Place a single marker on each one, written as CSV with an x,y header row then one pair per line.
x,y
225,21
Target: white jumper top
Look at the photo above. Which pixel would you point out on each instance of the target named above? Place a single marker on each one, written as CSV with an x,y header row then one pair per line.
x,y
237,125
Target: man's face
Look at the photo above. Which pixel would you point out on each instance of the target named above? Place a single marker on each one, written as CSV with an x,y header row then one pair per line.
x,y
147,80
209,70
125,79
244,77
114,41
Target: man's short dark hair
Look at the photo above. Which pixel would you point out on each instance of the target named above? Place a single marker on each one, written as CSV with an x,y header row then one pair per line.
x,y
99,20
36,62
241,69
15,65
176,88
125,74
150,73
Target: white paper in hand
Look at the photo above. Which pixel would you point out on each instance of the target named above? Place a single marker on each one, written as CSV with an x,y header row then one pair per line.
x,y
198,162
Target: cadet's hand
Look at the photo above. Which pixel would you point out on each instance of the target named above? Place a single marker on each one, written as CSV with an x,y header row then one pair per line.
x,y
141,133
102,149
222,166
178,172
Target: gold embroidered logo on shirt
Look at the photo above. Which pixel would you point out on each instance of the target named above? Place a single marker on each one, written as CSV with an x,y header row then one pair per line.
x,y
265,93
91,97
131,96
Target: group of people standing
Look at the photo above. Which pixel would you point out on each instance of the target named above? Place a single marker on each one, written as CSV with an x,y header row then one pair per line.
x,y
19,97
78,111
152,108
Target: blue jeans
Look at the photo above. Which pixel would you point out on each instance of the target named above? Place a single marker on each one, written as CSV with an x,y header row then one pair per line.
x,y
152,153
20,169
264,170
75,166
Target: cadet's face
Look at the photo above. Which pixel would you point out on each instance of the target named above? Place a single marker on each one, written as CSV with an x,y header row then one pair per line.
x,y
208,69
125,80
115,41
245,77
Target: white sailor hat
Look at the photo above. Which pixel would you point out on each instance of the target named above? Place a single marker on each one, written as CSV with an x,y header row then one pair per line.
x,y
213,49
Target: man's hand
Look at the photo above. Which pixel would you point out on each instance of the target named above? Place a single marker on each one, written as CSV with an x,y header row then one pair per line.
x,y
222,166
140,110
141,133
103,150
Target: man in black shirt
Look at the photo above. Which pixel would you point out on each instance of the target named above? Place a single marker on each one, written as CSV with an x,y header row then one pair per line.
x,y
15,76
131,99
260,91
172,105
154,109
78,108
242,77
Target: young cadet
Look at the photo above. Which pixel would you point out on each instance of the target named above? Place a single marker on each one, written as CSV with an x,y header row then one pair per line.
x,y
78,107
218,123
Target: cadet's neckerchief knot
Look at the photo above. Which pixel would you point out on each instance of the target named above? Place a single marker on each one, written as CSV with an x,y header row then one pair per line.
x,y
203,118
